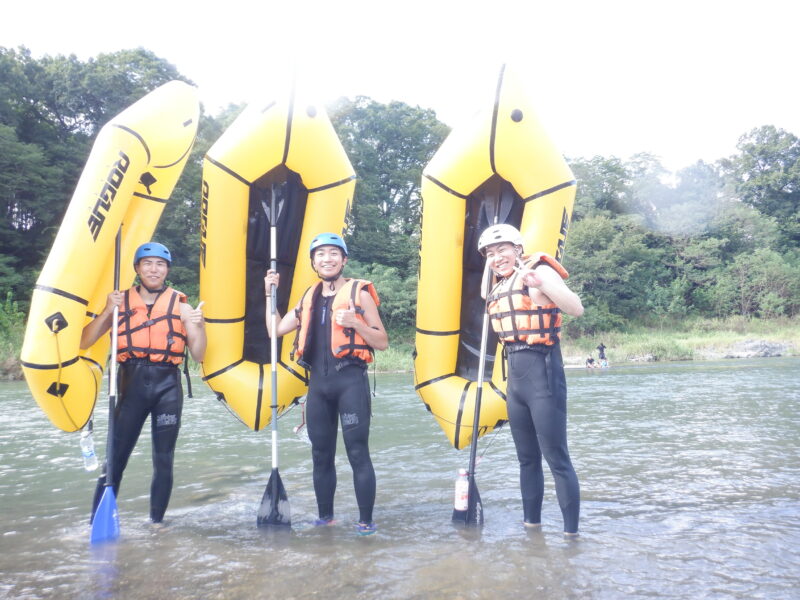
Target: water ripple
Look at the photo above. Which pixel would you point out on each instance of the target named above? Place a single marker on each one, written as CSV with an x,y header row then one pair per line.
x,y
690,480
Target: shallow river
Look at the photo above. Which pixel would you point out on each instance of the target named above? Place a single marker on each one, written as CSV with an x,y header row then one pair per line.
x,y
690,481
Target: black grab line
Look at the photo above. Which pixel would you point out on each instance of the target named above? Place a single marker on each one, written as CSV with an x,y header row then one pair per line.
x,y
551,190
181,157
293,372
497,390
331,185
445,188
224,369
137,136
50,367
230,172
493,132
430,332
94,362
223,321
289,117
461,402
58,292
434,380
153,198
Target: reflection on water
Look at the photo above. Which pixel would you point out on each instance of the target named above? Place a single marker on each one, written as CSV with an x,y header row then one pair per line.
x,y
690,477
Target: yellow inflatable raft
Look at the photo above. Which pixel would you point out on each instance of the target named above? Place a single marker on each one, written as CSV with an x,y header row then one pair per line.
x,y
499,167
134,164
286,150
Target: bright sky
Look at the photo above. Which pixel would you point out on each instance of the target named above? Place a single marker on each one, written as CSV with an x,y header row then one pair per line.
x,y
681,79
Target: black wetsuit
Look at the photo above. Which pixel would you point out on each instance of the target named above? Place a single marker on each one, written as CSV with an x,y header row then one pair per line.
x,y
146,389
338,390
537,413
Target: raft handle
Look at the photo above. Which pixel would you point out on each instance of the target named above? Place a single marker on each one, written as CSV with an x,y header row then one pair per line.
x,y
56,322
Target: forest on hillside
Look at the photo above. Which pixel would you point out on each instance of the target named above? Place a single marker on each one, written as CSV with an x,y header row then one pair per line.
x,y
644,246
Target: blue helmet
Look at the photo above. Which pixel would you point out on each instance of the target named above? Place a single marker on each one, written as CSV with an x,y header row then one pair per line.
x,y
152,249
328,239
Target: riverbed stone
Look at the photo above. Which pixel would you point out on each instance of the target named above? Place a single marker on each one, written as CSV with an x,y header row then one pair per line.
x,y
757,348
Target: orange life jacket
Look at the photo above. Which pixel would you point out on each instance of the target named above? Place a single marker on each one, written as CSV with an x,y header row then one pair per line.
x,y
158,336
514,315
345,342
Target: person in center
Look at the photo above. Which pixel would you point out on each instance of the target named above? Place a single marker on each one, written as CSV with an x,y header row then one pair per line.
x,y
338,328
525,305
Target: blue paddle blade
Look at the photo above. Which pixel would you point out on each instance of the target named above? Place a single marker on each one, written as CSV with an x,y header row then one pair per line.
x,y
105,526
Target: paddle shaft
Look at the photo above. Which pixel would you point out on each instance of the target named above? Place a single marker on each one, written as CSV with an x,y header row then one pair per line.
x,y
112,369
473,451
273,339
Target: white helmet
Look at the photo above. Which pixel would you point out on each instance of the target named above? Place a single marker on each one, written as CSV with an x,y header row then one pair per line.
x,y
499,233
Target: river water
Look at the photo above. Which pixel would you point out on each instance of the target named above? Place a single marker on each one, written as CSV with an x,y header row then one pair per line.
x,y
690,477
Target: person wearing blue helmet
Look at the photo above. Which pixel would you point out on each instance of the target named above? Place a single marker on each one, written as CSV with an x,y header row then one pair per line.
x,y
156,325
338,328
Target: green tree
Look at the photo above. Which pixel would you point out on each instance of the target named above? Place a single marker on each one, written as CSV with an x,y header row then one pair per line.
x,y
743,228
26,193
398,295
766,175
604,187
388,145
761,283
50,110
649,192
615,263
689,207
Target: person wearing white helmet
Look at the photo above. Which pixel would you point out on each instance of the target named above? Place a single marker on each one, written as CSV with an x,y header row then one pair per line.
x,y
525,305
337,327
156,324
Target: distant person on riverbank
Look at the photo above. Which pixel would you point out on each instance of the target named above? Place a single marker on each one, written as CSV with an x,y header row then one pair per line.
x,y
590,363
155,325
525,306
338,327
602,355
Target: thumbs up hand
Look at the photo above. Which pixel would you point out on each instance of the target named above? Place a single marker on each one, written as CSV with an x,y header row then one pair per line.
x,y
347,318
196,314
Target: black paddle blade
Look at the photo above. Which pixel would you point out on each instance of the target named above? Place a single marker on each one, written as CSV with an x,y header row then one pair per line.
x,y
474,513
274,509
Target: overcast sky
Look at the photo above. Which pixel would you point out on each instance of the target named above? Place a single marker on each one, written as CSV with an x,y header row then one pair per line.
x,y
681,79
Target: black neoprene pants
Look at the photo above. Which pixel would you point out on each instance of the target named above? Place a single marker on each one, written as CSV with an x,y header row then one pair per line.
x,y
537,412
152,389
333,396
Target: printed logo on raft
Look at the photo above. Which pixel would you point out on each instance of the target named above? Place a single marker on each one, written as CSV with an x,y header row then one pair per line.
x,y
107,194
203,222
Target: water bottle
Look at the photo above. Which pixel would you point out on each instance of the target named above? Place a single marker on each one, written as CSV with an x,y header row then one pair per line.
x,y
87,448
462,490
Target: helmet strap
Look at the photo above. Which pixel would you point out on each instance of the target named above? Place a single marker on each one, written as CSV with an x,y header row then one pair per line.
x,y
330,280
156,291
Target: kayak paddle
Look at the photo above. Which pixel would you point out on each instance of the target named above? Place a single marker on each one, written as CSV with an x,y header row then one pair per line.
x,y
474,513
274,509
105,524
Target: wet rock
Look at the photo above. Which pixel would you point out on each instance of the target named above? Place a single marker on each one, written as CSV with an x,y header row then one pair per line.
x,y
644,358
757,348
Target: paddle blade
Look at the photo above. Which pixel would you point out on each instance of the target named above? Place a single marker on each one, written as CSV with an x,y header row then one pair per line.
x,y
474,513
274,509
105,525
